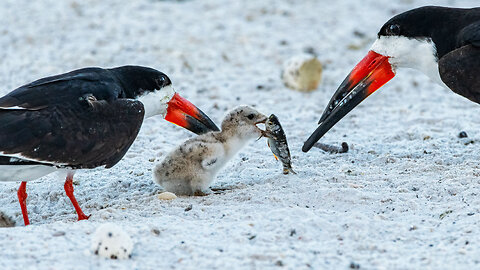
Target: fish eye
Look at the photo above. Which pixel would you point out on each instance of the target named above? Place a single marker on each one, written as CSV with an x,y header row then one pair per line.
x,y
251,116
393,29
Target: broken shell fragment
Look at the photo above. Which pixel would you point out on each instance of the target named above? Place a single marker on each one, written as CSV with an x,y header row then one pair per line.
x,y
302,73
167,196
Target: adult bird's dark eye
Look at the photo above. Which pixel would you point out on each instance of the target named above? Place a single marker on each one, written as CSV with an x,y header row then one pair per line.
x,y
394,29
250,116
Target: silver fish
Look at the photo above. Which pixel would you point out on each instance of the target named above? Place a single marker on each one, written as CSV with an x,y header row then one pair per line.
x,y
277,141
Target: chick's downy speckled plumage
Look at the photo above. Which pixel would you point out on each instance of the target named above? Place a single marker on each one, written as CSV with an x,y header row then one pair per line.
x,y
191,167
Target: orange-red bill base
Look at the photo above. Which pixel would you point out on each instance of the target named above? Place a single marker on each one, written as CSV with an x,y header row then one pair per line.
x,y
369,75
183,113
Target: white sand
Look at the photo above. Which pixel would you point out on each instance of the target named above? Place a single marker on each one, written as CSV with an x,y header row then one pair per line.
x,y
404,197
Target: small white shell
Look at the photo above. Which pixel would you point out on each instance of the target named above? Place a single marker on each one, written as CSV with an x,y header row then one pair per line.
x,y
111,241
167,196
302,73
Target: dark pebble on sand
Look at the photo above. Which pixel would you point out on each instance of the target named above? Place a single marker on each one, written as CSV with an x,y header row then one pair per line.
x,y
58,233
156,231
462,134
310,50
354,265
344,147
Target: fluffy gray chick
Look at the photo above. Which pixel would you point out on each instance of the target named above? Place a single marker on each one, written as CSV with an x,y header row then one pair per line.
x,y
191,167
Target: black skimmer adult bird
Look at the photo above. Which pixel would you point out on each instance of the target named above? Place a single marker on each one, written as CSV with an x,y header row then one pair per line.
x,y
443,43
84,119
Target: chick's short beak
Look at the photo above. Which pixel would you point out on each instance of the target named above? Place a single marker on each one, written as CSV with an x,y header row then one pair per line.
x,y
262,120
263,133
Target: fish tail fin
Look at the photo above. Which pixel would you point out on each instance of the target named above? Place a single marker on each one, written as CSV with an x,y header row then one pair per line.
x,y
287,169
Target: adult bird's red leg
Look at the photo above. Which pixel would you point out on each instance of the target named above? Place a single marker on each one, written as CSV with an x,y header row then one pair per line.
x,y
69,191
22,198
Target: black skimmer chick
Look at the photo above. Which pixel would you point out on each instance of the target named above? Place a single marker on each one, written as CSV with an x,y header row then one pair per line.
x,y
443,43
84,119
191,167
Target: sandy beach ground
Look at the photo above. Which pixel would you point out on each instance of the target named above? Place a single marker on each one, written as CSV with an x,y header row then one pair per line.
x,y
406,195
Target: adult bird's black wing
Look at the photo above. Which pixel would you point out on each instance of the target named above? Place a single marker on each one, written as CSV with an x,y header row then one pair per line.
x,y
460,68
64,88
74,120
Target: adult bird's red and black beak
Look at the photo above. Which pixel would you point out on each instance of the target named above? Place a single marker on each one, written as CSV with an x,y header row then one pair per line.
x,y
443,43
183,113
367,76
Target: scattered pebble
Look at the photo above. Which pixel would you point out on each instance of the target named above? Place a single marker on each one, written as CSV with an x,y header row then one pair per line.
x,y
462,134
359,34
156,231
310,50
112,242
188,208
167,196
469,142
444,214
344,147
354,265
58,233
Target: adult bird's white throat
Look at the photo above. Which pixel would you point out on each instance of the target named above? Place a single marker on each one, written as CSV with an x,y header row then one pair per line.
x,y
416,53
156,102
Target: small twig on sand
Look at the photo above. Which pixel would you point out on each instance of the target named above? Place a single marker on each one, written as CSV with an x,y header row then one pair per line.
x,y
332,149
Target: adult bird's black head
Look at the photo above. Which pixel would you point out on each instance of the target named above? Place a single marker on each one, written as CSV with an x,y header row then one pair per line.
x,y
154,89
434,40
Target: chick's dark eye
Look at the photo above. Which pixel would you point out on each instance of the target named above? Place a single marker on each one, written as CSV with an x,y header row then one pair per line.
x,y
393,29
251,116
